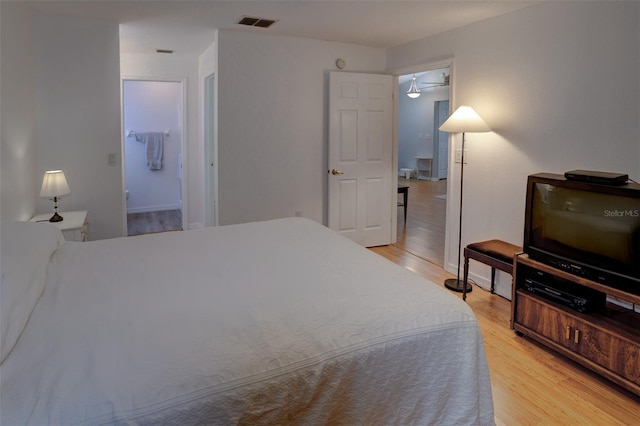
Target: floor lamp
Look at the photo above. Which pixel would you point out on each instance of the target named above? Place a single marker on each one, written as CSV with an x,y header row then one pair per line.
x,y
463,120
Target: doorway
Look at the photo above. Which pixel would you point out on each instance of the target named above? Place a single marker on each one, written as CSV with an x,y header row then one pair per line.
x,y
423,150
152,155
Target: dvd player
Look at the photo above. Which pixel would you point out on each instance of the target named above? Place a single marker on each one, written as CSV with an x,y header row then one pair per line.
x,y
605,178
582,301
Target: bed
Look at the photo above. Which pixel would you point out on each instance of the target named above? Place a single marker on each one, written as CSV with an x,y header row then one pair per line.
x,y
275,322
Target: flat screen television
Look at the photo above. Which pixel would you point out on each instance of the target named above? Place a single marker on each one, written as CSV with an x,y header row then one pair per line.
x,y
590,230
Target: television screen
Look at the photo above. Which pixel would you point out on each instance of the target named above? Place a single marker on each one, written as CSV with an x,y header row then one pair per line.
x,y
597,229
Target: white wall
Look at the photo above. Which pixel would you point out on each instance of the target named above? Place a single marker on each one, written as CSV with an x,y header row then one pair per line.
x,y
178,67
152,106
558,83
19,186
272,122
76,63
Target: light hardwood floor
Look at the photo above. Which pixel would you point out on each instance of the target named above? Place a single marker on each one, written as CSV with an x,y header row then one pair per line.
x,y
151,222
423,233
531,385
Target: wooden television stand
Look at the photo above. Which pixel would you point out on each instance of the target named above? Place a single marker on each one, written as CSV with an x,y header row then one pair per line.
x,y
606,341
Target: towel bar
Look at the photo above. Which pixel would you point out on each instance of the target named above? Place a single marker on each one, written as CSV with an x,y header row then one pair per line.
x,y
131,133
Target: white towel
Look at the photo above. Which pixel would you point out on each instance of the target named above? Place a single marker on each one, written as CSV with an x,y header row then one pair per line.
x,y
154,142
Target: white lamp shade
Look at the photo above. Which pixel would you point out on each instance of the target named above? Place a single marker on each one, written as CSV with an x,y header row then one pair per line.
x,y
54,184
464,119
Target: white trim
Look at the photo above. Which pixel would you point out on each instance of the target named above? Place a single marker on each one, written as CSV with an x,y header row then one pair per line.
x,y
394,161
444,63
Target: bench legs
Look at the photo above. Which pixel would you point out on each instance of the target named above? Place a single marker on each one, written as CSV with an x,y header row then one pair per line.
x,y
493,253
465,278
493,278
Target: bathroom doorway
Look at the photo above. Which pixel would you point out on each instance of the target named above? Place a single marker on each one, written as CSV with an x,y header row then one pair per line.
x,y
152,155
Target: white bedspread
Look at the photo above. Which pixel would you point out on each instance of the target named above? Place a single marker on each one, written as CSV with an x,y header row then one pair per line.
x,y
273,322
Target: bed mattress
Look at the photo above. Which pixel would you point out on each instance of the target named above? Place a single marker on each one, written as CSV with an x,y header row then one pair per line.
x,y
275,322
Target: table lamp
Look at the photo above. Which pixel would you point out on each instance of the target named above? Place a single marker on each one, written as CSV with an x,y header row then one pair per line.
x,y
54,186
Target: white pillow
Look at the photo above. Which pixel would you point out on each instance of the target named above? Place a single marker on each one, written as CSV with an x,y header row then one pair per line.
x,y
25,250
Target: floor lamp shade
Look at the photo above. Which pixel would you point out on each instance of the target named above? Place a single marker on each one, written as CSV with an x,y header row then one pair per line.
x,y
54,185
463,120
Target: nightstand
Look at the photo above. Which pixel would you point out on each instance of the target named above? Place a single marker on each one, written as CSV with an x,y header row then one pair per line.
x,y
74,227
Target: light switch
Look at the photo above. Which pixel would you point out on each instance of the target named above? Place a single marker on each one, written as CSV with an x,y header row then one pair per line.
x,y
459,156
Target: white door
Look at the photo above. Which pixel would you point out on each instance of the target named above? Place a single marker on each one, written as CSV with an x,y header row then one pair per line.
x,y
361,196
210,152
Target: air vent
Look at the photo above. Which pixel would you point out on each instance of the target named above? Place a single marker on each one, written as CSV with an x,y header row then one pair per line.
x,y
256,22
164,51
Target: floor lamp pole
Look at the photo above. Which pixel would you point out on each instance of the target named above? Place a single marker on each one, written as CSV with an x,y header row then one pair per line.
x,y
456,284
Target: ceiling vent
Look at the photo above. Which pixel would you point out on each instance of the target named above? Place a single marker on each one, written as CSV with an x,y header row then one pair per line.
x,y
256,22
164,51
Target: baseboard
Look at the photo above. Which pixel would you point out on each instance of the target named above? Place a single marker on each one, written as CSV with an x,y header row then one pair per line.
x,y
481,281
148,209
502,283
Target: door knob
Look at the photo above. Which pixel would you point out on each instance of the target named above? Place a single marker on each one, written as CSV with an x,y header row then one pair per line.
x,y
336,172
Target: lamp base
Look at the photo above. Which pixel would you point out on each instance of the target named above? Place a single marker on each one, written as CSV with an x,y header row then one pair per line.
x,y
56,218
455,284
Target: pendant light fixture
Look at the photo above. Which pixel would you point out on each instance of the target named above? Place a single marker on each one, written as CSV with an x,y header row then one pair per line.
x,y
413,91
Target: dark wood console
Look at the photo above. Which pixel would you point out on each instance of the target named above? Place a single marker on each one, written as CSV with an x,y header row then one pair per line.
x,y
606,340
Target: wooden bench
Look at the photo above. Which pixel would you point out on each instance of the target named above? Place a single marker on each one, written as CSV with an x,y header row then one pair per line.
x,y
495,253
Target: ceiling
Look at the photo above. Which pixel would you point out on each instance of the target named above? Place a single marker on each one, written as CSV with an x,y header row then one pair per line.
x,y
188,26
